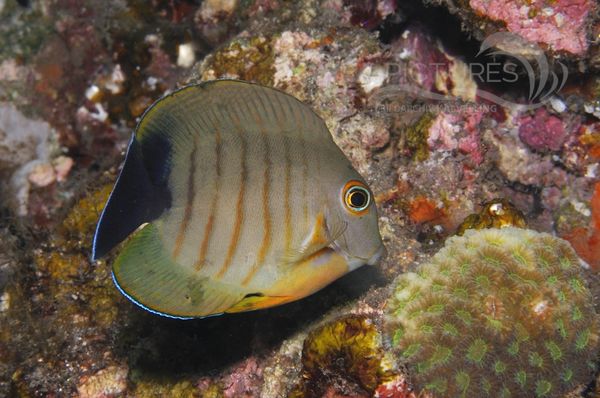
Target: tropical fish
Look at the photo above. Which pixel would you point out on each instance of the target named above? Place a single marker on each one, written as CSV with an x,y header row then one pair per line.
x,y
233,197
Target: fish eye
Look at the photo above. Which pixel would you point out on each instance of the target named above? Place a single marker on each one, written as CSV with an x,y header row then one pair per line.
x,y
356,197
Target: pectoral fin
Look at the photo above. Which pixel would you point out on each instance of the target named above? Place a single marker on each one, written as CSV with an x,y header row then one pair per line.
x,y
320,237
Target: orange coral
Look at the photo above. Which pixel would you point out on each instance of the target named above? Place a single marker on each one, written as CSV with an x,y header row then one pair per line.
x,y
590,138
595,151
422,210
595,205
586,241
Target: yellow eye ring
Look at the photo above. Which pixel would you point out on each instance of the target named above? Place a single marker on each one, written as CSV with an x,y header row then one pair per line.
x,y
357,197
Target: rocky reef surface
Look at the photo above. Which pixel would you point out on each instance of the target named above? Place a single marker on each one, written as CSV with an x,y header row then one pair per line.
x,y
460,115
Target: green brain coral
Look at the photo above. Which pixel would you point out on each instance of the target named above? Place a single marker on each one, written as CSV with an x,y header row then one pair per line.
x,y
496,312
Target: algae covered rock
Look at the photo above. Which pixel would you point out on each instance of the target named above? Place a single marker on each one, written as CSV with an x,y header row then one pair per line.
x,y
496,312
346,353
497,213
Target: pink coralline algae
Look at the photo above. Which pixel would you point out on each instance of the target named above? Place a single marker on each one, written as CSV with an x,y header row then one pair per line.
x,y
442,133
369,14
560,24
542,131
458,130
244,381
471,143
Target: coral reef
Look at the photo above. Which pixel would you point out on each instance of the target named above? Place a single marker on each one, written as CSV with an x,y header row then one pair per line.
x,y
214,19
497,312
417,137
82,308
422,210
346,349
397,85
183,389
561,25
557,196
28,156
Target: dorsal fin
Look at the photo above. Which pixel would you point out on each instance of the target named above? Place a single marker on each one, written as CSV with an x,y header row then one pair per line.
x,y
136,198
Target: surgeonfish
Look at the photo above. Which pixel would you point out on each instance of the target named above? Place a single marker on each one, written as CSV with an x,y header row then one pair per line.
x,y
233,197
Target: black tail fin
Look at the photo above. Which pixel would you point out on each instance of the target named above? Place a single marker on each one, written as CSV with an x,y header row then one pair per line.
x,y
134,200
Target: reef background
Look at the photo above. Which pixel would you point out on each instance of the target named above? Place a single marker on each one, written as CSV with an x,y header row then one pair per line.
x,y
75,75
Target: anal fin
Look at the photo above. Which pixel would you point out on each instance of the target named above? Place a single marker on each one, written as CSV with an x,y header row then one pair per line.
x,y
146,274
257,302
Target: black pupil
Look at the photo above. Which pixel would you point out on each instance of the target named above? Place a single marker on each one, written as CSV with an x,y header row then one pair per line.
x,y
358,198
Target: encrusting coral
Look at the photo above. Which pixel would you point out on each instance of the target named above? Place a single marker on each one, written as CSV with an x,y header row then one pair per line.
x,y
497,213
496,312
347,350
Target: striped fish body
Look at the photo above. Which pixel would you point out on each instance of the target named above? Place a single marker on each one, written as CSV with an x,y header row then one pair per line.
x,y
233,197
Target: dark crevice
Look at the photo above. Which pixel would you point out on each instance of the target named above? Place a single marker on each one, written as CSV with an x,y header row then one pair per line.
x,y
435,19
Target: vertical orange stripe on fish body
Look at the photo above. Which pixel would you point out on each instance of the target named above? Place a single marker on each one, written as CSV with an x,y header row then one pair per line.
x,y
266,242
286,197
239,215
301,124
304,183
208,228
189,203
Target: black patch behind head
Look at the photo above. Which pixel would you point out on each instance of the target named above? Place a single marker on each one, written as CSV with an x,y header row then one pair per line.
x,y
140,195
156,150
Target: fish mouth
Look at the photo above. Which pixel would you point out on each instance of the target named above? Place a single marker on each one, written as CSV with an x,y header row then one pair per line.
x,y
355,261
375,258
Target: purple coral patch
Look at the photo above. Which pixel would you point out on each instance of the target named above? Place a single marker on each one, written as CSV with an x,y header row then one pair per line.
x,y
542,131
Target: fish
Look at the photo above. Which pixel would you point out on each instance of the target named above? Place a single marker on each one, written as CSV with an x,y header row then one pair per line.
x,y
233,197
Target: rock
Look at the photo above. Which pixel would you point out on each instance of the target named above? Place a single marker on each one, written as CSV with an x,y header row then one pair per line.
x,y
108,382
